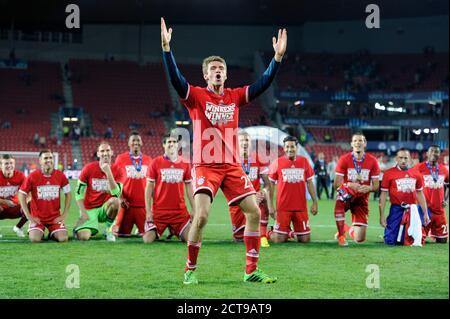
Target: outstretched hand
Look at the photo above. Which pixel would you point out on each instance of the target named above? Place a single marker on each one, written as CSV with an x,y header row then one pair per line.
x,y
280,44
166,35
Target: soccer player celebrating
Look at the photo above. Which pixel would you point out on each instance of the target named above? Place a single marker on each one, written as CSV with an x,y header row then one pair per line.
x,y
214,111
97,195
357,174
10,182
135,167
435,177
164,194
293,174
255,170
45,185
405,189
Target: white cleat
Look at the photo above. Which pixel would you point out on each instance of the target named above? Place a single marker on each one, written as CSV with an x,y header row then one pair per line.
x,y
110,236
18,231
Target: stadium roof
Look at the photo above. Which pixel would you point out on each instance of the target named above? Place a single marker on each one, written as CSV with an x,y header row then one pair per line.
x,y
237,12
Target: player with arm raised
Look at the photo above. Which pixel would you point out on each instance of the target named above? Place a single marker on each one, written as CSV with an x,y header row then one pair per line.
x,y
214,111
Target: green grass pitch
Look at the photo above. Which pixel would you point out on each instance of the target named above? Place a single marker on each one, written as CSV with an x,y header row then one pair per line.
x,y
130,269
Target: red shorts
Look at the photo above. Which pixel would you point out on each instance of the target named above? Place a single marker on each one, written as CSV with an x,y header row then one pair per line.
x,y
11,212
234,183
177,221
52,227
238,219
127,218
299,220
437,227
359,207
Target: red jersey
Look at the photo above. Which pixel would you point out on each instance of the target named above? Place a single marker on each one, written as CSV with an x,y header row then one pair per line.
x,y
401,185
254,169
45,193
369,169
133,180
169,178
291,177
215,121
9,187
433,189
97,191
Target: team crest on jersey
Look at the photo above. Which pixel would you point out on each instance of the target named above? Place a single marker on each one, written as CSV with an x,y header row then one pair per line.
x,y
200,180
219,114
406,185
293,175
134,174
253,174
352,175
48,192
100,185
430,183
8,191
172,175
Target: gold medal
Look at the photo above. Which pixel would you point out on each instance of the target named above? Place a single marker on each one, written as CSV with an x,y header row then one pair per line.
x,y
359,177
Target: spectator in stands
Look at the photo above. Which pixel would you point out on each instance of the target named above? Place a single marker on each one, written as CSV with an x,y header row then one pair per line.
x,y
327,138
42,141
320,170
6,124
76,133
36,139
121,136
66,131
109,132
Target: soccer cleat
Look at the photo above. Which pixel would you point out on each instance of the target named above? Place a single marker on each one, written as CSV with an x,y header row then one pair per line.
x,y
110,235
342,241
264,242
259,276
18,231
190,278
347,229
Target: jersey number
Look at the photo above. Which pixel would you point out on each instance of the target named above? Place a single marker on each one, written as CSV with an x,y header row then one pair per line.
x,y
444,229
247,181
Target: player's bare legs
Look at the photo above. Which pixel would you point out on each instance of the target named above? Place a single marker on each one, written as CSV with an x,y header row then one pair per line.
x,y
202,204
149,236
252,213
112,207
278,238
185,233
359,233
61,236
84,234
35,236
304,238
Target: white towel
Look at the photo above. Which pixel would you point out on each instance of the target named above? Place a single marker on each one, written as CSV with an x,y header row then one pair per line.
x,y
415,226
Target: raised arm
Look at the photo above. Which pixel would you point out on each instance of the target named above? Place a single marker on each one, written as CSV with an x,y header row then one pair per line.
x,y
176,78
279,46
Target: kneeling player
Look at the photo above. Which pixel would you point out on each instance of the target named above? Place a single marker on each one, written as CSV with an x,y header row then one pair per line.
x,y
97,195
293,174
45,185
10,182
436,191
254,170
357,174
164,194
403,185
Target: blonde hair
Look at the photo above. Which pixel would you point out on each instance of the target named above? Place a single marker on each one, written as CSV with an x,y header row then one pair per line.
x,y
210,59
